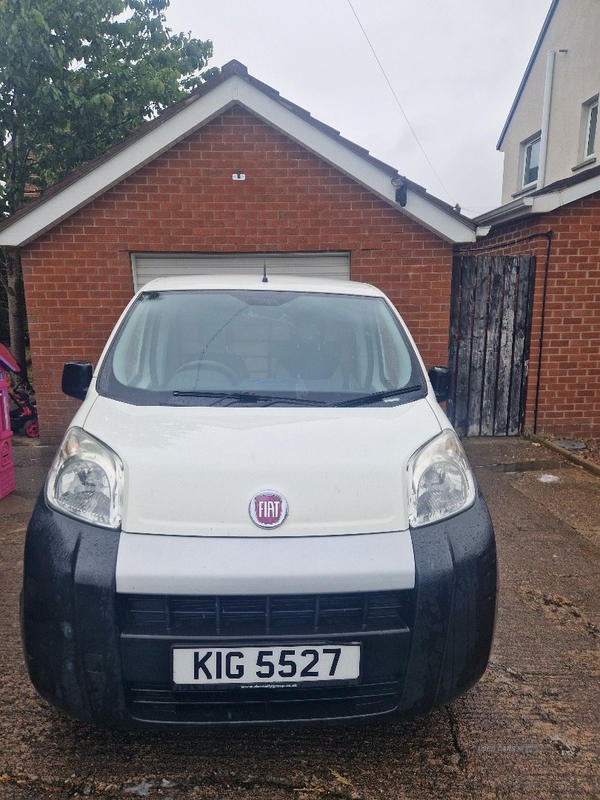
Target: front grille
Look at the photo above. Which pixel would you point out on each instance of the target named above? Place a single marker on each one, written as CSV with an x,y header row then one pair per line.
x,y
262,705
153,615
151,624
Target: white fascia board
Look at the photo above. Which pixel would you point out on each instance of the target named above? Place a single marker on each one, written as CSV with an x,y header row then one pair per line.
x,y
514,210
163,136
44,216
540,204
553,200
443,223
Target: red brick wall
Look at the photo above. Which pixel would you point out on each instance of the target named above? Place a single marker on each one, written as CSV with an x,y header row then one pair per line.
x,y
78,275
567,402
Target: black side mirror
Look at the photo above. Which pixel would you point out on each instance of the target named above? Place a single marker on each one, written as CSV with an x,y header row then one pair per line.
x,y
76,378
440,381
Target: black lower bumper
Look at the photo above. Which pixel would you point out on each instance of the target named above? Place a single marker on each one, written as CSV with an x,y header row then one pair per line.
x,y
106,658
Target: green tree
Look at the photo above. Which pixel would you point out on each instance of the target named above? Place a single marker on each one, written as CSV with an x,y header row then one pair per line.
x,y
76,76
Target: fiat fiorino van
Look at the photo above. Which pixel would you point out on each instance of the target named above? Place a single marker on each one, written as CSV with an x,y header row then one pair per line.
x,y
259,514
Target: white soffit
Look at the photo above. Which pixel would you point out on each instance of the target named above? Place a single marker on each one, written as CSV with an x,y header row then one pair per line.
x,y
444,223
542,203
569,194
161,137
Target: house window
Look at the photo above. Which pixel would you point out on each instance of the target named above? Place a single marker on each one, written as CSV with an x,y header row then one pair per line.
x,y
591,127
531,161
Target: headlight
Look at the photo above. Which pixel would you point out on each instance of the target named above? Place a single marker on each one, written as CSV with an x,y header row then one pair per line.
x,y
86,480
441,483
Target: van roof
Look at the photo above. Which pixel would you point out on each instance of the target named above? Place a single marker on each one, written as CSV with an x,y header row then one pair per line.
x,y
287,283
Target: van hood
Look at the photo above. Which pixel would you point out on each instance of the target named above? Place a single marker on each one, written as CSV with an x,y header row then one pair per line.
x,y
193,471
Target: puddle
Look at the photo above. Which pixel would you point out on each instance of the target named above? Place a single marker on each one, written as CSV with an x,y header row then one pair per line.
x,y
570,444
527,466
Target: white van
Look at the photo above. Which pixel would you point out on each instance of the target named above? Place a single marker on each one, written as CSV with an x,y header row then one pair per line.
x,y
259,514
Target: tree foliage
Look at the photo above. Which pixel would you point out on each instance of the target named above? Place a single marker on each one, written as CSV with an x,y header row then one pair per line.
x,y
76,76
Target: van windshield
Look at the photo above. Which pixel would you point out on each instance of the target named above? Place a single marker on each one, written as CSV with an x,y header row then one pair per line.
x,y
260,347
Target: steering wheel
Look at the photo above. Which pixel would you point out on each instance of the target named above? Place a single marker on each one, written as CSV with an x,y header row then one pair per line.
x,y
204,364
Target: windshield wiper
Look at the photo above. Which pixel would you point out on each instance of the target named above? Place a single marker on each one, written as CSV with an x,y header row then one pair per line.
x,y
368,399
249,397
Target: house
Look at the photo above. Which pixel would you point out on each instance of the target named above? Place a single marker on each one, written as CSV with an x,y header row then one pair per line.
x,y
229,178
551,132
543,246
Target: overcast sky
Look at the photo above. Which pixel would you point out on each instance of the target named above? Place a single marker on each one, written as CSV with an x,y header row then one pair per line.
x,y
449,67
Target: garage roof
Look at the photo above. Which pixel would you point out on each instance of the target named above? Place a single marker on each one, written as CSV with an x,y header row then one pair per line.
x,y
233,86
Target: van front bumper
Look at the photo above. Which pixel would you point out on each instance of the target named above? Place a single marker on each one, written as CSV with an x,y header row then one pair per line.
x,y
106,657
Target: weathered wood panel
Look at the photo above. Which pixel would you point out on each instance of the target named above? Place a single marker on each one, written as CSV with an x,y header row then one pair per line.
x,y
489,342
492,351
505,355
521,344
478,349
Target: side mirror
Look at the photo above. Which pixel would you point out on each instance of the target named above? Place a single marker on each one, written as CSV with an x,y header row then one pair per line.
x,y
440,381
76,378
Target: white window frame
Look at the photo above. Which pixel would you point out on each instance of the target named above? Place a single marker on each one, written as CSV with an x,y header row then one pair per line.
x,y
527,148
590,129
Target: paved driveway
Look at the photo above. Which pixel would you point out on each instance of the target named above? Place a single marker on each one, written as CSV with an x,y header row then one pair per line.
x,y
530,729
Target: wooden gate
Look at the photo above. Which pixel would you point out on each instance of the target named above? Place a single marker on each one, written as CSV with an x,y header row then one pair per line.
x,y
490,325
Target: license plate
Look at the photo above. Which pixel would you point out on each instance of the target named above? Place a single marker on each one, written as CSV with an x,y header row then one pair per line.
x,y
257,666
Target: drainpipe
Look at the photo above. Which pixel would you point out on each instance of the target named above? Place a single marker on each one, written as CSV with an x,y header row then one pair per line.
x,y
538,382
541,181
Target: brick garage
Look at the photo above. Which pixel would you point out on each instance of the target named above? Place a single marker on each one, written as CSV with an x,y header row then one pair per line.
x,y
563,390
307,190
78,271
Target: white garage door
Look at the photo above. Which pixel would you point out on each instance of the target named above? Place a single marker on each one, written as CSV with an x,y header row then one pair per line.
x,y
155,265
